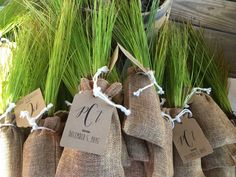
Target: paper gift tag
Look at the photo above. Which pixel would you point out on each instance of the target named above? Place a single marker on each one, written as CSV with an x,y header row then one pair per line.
x,y
88,124
33,103
190,141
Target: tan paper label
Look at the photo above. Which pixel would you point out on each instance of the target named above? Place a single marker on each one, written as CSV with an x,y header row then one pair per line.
x,y
132,59
33,103
88,124
190,141
114,58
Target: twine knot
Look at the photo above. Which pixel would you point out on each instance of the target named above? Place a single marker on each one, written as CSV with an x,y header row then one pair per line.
x,y
150,75
33,120
8,110
98,93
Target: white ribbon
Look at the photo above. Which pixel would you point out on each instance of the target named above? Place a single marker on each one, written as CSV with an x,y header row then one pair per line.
x,y
98,93
8,110
177,117
195,90
150,75
32,120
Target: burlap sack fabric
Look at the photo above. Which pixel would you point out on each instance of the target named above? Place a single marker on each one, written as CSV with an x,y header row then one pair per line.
x,y
135,170
75,163
11,147
126,160
137,149
216,126
164,167
221,157
145,121
221,172
190,169
232,149
41,152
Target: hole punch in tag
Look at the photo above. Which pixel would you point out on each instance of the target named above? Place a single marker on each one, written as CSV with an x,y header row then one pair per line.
x,y
190,140
88,124
33,103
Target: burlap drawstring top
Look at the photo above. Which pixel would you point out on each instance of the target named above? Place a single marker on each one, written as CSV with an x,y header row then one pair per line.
x,y
75,163
215,124
41,152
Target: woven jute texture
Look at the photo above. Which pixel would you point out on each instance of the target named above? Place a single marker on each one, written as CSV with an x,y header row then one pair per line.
x,y
75,163
221,172
164,167
11,147
145,121
232,149
137,148
190,169
41,152
126,160
216,126
221,157
135,170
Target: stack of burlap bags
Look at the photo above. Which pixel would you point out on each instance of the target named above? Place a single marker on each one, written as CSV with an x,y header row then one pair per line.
x,y
221,134
148,136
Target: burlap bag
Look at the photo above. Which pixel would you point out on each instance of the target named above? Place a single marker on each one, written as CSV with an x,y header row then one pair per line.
x,y
221,172
215,125
75,163
41,152
145,121
135,170
190,169
137,149
221,157
11,147
232,149
126,160
164,167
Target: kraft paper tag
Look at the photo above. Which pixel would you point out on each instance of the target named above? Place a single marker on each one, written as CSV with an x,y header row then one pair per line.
x,y
33,103
132,59
88,124
190,141
114,58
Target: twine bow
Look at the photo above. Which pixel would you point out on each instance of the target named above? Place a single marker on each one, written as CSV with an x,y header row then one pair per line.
x,y
32,120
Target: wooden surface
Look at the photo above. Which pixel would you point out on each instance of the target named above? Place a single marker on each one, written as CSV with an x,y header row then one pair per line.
x,y
218,17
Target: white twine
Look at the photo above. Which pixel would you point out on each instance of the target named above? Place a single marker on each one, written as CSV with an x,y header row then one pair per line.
x,y
5,40
8,110
32,120
97,91
177,117
150,75
7,125
234,113
169,118
195,90
68,103
163,101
